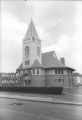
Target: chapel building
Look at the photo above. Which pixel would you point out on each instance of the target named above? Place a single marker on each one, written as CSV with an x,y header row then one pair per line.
x,y
41,69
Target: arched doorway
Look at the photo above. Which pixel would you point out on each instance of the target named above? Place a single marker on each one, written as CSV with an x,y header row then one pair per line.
x,y
27,80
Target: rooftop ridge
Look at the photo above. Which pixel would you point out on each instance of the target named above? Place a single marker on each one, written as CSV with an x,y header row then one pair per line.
x,y
47,52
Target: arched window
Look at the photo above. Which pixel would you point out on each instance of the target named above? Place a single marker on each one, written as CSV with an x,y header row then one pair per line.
x,y
38,51
27,51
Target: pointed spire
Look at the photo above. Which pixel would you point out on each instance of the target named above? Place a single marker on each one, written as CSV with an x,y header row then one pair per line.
x,y
31,32
31,19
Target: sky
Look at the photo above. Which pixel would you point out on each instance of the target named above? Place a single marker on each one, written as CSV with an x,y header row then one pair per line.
x,y
58,23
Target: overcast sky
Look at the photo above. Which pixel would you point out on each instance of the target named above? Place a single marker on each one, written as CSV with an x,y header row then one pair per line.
x,y
59,25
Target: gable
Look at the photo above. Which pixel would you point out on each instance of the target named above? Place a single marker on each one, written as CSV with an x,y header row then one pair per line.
x,y
36,64
49,59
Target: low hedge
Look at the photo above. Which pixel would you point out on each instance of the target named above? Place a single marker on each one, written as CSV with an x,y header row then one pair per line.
x,y
41,90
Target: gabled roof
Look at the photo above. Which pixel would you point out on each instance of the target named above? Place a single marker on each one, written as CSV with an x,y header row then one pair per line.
x,y
36,64
49,60
31,32
21,66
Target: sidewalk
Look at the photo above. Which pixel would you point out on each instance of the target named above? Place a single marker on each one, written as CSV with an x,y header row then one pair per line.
x,y
40,99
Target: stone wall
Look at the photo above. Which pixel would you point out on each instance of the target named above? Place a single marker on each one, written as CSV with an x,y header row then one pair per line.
x,y
57,80
38,80
50,81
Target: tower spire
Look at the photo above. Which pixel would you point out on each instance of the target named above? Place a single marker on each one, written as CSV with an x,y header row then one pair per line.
x,y
31,32
31,19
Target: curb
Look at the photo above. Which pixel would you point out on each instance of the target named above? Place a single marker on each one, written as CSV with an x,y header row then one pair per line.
x,y
45,101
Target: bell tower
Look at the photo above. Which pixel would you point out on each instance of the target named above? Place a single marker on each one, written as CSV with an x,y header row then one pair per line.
x,y
31,46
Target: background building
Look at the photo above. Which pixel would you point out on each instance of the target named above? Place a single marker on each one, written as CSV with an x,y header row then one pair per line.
x,y
77,79
8,79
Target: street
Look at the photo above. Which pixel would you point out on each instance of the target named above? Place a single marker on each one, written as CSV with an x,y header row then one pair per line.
x,y
13,109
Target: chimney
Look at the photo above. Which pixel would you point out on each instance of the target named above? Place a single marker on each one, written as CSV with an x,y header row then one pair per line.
x,y
62,60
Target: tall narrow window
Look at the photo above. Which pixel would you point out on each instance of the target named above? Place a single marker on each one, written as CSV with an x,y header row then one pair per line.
x,y
55,71
37,70
27,51
38,51
61,71
33,38
33,71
